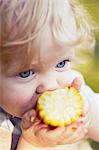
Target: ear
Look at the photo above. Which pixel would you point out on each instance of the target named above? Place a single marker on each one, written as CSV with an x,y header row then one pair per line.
x,y
76,83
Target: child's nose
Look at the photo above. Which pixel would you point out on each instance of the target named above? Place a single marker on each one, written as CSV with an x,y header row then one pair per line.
x,y
48,85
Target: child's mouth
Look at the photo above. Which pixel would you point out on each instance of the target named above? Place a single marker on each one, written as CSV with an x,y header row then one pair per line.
x,y
35,99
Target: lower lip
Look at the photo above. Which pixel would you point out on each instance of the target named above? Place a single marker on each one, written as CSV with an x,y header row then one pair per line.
x,y
35,96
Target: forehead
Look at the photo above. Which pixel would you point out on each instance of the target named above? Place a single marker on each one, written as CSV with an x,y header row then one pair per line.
x,y
48,51
39,54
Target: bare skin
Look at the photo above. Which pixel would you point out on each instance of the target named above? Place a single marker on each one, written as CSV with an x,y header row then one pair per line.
x,y
41,135
50,70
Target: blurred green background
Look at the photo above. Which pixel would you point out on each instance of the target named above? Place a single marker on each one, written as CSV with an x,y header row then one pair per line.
x,y
90,69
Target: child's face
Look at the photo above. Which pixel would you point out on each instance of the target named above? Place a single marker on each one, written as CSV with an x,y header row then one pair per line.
x,y
50,69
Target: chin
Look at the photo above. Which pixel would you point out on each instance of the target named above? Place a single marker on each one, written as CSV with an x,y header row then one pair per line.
x,y
22,111
17,113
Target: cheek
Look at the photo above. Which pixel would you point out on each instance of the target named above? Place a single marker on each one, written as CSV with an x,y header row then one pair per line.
x,y
20,99
17,101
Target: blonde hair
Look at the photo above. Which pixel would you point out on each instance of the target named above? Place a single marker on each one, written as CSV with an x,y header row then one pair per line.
x,y
23,20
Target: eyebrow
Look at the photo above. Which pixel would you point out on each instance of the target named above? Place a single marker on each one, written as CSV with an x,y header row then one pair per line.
x,y
17,67
65,58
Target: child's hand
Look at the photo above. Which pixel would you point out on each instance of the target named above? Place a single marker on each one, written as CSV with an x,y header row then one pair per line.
x,y
41,135
78,130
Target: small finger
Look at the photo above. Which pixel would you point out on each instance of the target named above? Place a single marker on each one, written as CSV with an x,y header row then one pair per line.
x,y
76,134
56,133
79,137
85,105
85,120
76,83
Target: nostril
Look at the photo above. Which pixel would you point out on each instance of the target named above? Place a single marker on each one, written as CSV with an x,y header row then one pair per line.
x,y
37,92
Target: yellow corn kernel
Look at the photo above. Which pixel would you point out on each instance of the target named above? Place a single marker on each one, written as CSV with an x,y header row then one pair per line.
x,y
60,107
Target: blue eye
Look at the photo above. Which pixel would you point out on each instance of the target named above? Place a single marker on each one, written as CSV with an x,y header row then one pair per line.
x,y
61,64
26,74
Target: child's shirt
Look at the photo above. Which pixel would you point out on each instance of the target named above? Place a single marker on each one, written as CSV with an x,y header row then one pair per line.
x,y
9,134
6,129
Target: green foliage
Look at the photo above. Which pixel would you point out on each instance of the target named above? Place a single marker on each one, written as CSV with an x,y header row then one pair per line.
x,y
90,69
93,7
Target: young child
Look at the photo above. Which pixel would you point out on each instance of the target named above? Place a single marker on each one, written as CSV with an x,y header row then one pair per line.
x,y
37,46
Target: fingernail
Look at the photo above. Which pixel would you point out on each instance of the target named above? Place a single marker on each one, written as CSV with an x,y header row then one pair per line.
x,y
74,129
83,115
32,119
81,122
85,130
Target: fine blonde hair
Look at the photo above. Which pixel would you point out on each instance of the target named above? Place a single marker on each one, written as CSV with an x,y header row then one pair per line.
x,y
23,20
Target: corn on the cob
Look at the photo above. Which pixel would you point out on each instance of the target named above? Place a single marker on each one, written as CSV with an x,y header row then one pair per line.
x,y
60,107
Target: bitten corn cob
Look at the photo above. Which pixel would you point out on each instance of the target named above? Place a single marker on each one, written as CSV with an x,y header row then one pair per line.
x,y
60,107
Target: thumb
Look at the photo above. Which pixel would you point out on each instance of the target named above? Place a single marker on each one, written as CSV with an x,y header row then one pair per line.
x,y
76,83
28,119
